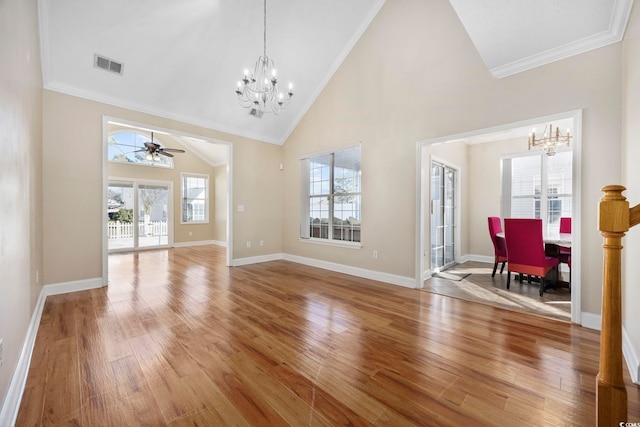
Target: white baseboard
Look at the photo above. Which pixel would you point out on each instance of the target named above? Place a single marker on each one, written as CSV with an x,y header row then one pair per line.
x,y
11,405
393,279
631,357
256,259
591,321
74,286
407,282
477,258
200,243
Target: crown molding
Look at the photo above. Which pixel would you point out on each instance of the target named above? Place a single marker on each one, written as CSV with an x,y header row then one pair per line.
x,y
617,26
141,108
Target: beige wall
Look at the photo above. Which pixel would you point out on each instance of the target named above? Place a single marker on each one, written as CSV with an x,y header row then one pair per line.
x,y
72,172
631,178
185,162
415,75
20,177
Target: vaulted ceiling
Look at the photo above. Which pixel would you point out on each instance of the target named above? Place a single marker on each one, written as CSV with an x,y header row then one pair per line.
x,y
182,59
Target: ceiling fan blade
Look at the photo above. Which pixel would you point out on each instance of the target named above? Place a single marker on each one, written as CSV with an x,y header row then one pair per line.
x,y
164,154
173,150
137,151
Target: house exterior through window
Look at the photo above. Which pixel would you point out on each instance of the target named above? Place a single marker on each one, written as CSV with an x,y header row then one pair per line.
x,y
331,196
195,198
538,186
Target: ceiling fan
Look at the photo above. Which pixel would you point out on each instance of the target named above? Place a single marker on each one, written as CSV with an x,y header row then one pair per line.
x,y
153,149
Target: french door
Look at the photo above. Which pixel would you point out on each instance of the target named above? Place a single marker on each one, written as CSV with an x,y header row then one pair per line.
x,y
139,215
443,184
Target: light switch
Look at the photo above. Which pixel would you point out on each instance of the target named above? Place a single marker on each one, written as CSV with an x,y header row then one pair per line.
x,y
240,208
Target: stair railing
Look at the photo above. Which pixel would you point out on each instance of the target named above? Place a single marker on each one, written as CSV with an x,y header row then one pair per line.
x,y
615,219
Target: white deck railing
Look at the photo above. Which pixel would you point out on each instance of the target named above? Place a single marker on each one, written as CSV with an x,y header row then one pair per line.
x,y
124,230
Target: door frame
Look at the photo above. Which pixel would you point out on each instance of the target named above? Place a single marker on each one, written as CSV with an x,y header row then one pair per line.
x,y
456,216
105,183
422,170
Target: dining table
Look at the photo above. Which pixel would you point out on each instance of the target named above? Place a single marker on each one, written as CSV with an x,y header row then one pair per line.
x,y
552,238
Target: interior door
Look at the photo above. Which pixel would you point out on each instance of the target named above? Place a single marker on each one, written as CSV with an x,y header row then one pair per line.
x,y
443,180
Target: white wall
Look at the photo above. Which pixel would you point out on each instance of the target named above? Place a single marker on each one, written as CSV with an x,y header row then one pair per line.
x,y
415,75
631,179
20,177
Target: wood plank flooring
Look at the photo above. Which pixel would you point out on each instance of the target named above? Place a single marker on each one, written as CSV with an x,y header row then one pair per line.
x,y
179,339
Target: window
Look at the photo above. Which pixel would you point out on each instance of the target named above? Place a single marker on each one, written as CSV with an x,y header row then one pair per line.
x,y
331,196
195,198
538,186
128,147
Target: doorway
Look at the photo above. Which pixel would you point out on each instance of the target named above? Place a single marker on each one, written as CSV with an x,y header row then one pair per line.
x,y
137,176
478,154
442,212
139,214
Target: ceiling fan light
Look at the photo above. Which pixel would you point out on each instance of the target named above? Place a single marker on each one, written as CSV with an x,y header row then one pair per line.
x,y
156,157
149,157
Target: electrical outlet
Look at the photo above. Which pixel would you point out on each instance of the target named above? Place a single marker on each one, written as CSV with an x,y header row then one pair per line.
x,y
1,351
375,254
248,243
191,233
261,242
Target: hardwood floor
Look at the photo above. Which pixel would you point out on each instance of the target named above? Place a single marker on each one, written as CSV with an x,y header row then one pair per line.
x,y
179,339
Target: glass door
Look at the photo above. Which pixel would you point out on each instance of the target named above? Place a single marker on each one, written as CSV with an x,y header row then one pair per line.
x,y
153,217
120,209
443,179
139,215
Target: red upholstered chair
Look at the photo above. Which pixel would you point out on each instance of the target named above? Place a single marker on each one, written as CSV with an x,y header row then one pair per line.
x,y
565,227
526,249
499,245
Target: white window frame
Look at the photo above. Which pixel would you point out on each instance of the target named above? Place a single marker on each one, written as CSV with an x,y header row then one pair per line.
x,y
305,197
506,194
183,198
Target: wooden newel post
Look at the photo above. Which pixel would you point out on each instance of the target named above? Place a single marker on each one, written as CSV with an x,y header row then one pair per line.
x,y
611,394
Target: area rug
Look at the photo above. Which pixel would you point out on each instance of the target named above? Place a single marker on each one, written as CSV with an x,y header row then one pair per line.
x,y
451,275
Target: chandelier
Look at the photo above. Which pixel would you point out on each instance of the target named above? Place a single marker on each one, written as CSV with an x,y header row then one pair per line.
x,y
550,141
259,90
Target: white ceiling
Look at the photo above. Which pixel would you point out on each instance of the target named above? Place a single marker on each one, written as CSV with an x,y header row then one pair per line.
x,y
517,35
182,59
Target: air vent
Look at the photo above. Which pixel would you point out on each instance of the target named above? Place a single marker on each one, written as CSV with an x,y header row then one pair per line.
x,y
256,113
107,64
